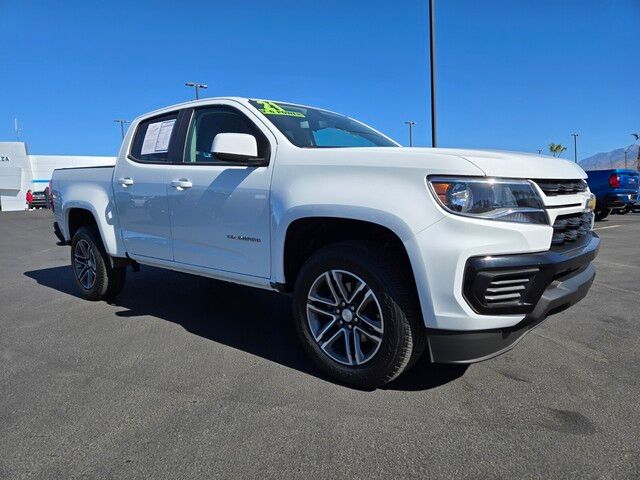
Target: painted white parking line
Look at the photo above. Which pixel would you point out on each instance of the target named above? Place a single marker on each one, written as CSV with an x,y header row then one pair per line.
x,y
614,264
616,289
610,226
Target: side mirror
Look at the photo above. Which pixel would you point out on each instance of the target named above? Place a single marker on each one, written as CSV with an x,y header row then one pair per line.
x,y
235,147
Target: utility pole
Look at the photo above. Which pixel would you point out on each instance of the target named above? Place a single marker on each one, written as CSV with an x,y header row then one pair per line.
x,y
432,60
575,147
411,123
197,87
539,151
121,122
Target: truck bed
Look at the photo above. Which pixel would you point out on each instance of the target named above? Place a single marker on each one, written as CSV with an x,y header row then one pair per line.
x,y
609,196
88,188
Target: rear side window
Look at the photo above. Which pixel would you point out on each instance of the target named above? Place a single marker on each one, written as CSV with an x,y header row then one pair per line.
x,y
153,138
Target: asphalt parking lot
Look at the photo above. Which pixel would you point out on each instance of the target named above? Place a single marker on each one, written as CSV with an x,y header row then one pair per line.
x,y
183,377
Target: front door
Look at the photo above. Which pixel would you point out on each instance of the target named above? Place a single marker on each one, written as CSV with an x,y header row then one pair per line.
x,y
220,210
140,189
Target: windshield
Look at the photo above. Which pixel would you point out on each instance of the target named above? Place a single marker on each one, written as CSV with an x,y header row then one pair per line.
x,y
312,128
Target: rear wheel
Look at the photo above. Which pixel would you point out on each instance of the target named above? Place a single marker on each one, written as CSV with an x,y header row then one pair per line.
x,y
624,211
356,314
95,277
602,214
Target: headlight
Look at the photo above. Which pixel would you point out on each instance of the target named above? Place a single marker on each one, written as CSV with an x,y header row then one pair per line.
x,y
490,198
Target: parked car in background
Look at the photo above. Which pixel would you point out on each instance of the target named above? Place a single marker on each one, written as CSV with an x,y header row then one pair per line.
x,y
39,200
614,189
631,207
388,252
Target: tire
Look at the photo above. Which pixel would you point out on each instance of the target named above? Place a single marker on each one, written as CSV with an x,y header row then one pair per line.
x,y
624,211
95,277
385,331
602,214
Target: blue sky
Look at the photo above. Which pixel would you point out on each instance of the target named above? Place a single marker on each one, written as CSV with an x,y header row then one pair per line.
x,y
512,75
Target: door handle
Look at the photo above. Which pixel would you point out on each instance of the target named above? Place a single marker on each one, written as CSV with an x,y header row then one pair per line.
x,y
182,184
126,181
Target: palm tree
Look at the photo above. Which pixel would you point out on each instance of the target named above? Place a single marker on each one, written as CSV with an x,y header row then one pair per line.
x,y
556,149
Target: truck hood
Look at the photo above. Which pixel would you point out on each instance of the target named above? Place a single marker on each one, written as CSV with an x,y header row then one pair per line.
x,y
496,163
448,161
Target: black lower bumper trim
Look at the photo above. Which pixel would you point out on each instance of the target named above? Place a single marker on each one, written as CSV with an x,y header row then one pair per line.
x,y
449,346
514,284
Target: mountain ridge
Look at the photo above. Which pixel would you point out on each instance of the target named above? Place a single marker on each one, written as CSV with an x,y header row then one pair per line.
x,y
612,159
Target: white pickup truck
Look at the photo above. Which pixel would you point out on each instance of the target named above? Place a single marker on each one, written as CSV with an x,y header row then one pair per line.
x,y
389,252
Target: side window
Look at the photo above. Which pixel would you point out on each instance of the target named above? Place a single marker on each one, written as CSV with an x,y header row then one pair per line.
x,y
209,122
153,137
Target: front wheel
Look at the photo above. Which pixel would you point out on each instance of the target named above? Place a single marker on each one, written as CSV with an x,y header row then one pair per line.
x,y
95,277
602,214
356,314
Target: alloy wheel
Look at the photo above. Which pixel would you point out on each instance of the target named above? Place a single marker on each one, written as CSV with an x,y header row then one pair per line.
x,y
84,263
345,317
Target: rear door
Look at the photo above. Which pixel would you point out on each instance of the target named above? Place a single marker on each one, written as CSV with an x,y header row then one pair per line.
x,y
220,209
140,187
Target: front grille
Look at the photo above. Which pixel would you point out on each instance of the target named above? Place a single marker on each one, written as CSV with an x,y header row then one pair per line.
x,y
570,228
561,187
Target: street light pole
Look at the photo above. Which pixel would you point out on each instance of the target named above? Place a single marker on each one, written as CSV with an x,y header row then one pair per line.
x,y
121,122
411,123
432,60
197,87
17,128
575,147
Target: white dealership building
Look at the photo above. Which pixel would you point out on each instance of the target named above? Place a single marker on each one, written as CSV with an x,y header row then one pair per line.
x,y
20,171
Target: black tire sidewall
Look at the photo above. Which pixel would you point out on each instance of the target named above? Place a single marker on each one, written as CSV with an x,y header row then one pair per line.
x,y
394,352
101,284
602,214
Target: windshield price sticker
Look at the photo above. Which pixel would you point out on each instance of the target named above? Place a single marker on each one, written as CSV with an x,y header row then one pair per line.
x,y
272,108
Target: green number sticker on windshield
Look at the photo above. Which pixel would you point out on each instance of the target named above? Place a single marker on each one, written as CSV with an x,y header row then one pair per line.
x,y
272,108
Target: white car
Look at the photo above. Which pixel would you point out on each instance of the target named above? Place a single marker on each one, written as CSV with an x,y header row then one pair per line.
x,y
389,252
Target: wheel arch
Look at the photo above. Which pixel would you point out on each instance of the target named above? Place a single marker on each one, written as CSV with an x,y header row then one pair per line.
x,y
304,235
81,214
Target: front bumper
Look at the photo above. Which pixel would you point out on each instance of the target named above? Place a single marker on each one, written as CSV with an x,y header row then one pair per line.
x,y
558,279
